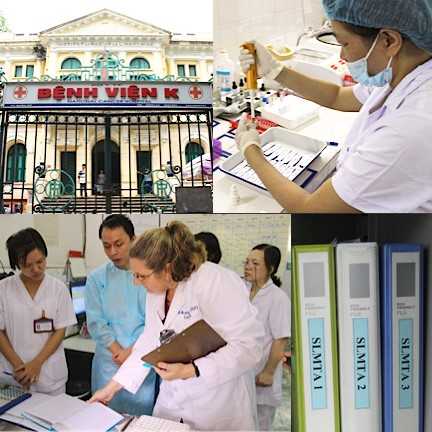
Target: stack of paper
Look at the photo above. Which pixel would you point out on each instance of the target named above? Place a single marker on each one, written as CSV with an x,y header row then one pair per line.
x,y
64,412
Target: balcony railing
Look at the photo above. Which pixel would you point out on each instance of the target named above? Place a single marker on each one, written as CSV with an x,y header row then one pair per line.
x,y
115,74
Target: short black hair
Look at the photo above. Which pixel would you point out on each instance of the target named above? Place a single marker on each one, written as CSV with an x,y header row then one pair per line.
x,y
272,259
20,244
118,221
212,246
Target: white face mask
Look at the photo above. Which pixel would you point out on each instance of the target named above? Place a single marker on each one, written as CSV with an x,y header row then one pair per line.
x,y
359,71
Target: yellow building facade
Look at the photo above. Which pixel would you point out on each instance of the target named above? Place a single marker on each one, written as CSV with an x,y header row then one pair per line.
x,y
104,46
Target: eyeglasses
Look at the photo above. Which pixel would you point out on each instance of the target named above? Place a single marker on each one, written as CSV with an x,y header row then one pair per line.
x,y
141,277
329,38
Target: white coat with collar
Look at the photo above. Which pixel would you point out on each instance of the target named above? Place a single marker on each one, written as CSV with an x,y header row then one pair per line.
x,y
17,314
223,397
274,311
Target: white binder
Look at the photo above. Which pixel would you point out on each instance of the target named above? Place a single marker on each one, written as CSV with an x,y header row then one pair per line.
x,y
359,337
315,340
403,338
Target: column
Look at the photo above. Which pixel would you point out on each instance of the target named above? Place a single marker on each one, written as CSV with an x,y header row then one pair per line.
x,y
51,68
7,69
157,64
203,73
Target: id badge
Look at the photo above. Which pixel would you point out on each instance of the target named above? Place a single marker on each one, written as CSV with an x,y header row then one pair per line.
x,y
43,325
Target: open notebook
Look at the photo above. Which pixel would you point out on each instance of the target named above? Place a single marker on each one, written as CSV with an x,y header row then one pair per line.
x,y
64,412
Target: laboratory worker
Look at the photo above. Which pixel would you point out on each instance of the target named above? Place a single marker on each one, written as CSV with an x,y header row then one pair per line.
x,y
116,315
35,309
385,161
211,245
274,311
214,392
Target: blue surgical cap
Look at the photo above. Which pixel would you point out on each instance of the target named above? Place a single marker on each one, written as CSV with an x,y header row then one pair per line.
x,y
412,18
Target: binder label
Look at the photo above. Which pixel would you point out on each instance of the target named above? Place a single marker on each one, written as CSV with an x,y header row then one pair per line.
x,y
406,364
317,363
361,362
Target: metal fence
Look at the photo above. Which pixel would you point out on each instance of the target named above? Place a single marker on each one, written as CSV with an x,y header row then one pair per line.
x,y
102,161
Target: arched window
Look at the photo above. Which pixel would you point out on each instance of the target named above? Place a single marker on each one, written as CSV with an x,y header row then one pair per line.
x,y
193,150
139,63
71,63
16,160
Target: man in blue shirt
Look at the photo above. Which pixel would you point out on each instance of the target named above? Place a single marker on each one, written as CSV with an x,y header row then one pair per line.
x,y
116,315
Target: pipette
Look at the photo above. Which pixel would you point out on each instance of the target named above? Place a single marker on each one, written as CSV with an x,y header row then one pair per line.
x,y
251,76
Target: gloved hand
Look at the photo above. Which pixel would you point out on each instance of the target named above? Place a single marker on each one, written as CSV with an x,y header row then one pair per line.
x,y
267,66
246,134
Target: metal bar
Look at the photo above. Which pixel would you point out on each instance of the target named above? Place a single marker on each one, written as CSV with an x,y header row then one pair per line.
x,y
25,163
189,142
76,160
119,122
180,148
201,156
130,167
160,142
140,179
14,167
85,162
94,180
3,162
209,118
108,165
34,165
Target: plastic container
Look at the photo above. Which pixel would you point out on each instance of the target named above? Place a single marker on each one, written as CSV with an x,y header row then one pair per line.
x,y
224,72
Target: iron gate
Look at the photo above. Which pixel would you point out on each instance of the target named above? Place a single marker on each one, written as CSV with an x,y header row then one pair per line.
x,y
102,161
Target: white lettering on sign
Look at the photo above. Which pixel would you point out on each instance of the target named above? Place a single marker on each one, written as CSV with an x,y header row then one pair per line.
x,y
152,93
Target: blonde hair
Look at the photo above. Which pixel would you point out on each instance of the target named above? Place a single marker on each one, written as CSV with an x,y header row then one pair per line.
x,y
175,245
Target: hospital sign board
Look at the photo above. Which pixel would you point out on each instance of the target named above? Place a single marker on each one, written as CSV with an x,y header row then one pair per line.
x,y
166,94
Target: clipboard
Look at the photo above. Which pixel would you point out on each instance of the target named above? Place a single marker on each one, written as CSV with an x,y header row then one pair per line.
x,y
192,343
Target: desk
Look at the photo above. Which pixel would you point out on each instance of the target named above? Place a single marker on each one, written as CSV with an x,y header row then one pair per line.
x,y
331,125
79,353
78,343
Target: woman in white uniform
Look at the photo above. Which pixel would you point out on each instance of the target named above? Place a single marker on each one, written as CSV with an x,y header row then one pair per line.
x,y
35,309
385,161
274,311
215,392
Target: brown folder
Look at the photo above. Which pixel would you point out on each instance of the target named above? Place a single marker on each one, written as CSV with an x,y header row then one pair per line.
x,y
193,342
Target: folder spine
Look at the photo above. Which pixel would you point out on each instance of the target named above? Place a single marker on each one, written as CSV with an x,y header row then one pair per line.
x,y
315,326
359,336
392,345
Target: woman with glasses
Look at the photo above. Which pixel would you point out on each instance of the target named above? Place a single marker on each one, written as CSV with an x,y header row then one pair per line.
x,y
116,315
384,164
274,311
215,392
35,309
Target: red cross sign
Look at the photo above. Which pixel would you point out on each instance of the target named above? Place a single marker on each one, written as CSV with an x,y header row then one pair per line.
x,y
20,92
195,92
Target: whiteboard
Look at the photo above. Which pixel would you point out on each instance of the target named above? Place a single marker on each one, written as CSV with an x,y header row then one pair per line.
x,y
238,233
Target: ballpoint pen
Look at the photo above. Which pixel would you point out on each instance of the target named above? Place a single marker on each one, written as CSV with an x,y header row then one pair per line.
x,y
129,421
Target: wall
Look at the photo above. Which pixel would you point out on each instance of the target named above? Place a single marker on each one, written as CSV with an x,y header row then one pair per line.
x,y
237,235
274,21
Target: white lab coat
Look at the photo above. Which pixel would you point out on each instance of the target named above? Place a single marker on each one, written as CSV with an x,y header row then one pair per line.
x,y
385,163
17,314
223,397
274,311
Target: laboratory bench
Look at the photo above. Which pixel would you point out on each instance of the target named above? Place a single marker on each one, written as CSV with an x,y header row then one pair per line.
x,y
231,195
